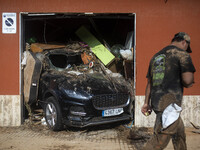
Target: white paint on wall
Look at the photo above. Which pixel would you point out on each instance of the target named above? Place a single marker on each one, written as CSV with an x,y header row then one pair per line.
x,y
10,110
190,112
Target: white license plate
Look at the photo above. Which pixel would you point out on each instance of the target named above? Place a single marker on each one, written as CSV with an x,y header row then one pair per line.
x,y
112,112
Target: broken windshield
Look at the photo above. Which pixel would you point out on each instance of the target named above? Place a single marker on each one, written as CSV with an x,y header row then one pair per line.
x,y
62,61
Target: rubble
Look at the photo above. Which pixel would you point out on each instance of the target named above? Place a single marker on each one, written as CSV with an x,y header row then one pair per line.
x,y
75,71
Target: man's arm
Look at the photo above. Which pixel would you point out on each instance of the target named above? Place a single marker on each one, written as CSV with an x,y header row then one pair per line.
x,y
187,79
146,107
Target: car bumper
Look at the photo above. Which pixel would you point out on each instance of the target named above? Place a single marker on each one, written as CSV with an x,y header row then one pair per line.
x,y
82,122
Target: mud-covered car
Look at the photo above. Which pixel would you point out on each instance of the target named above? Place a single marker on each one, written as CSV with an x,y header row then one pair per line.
x,y
75,89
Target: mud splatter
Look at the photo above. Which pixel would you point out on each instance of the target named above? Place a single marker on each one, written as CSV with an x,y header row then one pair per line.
x,y
166,100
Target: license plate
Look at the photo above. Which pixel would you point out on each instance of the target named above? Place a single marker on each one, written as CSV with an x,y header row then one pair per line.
x,y
112,112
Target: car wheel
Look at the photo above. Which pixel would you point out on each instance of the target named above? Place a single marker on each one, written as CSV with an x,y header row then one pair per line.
x,y
53,114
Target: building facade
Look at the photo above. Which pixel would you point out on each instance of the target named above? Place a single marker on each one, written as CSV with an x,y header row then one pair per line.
x,y
155,23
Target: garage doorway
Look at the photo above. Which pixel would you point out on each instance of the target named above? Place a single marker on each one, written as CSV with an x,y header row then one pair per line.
x,y
111,29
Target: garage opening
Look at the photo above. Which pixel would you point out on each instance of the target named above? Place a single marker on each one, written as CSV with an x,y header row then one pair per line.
x,y
116,31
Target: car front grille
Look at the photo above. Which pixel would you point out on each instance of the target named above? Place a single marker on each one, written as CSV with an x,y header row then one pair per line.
x,y
107,101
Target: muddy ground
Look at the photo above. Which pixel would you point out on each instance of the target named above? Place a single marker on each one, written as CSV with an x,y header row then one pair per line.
x,y
104,137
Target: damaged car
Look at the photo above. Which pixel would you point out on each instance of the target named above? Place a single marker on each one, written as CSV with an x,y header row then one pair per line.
x,y
75,89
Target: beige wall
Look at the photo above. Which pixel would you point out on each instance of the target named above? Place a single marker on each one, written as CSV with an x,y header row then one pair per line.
x,y
190,112
10,110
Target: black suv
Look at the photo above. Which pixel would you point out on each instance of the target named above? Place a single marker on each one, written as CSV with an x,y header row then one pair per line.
x,y
76,94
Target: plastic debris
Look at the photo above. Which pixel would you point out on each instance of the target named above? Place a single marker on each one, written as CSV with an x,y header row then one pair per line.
x,y
170,115
126,54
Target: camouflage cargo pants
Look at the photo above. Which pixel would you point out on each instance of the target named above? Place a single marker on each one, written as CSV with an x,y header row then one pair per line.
x,y
161,138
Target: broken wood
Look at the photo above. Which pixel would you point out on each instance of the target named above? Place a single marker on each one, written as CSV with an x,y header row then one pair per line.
x,y
32,73
38,47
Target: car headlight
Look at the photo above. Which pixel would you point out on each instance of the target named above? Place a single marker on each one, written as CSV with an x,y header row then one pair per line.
x,y
76,94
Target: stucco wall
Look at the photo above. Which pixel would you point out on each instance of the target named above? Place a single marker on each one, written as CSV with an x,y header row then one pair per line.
x,y
10,110
190,112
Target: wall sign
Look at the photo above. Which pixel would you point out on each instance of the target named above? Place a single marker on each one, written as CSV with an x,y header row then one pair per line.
x,y
9,23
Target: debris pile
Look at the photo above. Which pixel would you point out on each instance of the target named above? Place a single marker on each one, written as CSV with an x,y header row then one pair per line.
x,y
76,60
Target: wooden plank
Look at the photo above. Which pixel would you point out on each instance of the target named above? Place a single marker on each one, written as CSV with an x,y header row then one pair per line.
x,y
32,72
39,47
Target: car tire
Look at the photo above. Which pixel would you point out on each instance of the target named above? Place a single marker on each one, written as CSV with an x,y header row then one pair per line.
x,y
53,114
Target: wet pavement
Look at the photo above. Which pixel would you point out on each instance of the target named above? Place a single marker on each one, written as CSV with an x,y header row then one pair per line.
x,y
107,137
38,137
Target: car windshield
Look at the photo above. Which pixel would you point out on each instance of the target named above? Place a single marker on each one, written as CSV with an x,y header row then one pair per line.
x,y
62,61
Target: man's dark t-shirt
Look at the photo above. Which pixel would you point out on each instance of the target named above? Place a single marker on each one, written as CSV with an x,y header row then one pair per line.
x,y
165,71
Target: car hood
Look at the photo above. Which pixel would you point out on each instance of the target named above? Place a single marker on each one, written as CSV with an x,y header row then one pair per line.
x,y
94,83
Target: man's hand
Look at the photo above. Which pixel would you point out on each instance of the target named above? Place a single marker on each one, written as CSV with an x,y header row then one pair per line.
x,y
146,109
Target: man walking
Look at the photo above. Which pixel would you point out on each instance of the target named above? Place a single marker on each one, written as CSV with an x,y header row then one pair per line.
x,y
170,70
